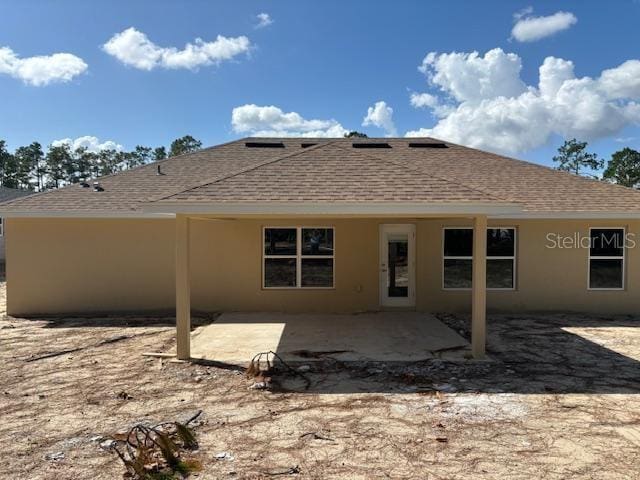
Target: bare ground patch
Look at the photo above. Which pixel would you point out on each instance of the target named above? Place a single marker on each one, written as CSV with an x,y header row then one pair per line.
x,y
559,401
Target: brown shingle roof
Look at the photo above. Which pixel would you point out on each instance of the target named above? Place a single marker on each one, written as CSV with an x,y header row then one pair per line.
x,y
537,188
334,171
331,172
127,191
7,194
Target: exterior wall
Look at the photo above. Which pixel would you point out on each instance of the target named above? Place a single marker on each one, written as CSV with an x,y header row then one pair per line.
x,y
546,279
2,252
227,271
77,265
68,265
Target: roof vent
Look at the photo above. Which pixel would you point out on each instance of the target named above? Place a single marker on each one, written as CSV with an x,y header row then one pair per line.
x,y
264,144
160,172
84,184
97,187
371,145
307,144
427,145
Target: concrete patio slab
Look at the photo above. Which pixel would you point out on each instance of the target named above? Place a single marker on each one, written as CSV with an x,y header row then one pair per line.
x,y
384,337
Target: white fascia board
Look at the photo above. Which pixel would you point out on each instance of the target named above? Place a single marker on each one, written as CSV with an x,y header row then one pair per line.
x,y
81,214
568,216
494,212
334,208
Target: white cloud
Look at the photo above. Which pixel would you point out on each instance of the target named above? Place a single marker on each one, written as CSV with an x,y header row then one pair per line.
x,y
622,81
264,20
271,121
523,13
43,69
426,100
422,100
92,144
468,76
381,116
134,48
510,116
554,72
530,29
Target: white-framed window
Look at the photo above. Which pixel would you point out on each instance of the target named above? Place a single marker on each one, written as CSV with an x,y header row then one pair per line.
x,y
1,227
457,258
606,267
298,257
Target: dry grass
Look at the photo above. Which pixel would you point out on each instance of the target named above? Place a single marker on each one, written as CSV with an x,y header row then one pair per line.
x,y
507,419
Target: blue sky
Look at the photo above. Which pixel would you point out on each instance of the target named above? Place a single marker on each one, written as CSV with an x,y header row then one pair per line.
x,y
329,60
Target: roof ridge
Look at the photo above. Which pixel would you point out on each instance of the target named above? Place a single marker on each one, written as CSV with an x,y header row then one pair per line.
x,y
239,171
414,168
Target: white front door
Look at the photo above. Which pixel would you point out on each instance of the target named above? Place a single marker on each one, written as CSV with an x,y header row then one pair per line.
x,y
397,265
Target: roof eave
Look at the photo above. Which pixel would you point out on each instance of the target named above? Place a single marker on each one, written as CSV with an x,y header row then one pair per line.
x,y
334,208
493,211
81,214
575,215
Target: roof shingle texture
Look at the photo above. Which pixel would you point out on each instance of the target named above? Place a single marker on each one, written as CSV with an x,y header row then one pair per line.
x,y
334,171
7,194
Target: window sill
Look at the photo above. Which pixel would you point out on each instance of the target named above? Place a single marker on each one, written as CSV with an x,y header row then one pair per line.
x,y
469,289
606,289
298,288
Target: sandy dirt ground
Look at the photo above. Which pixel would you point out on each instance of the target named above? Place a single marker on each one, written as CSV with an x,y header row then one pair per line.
x,y
560,400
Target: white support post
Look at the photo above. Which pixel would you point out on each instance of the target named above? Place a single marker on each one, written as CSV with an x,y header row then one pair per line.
x,y
183,289
479,287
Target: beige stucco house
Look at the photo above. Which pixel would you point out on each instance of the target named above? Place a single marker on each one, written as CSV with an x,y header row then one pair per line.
x,y
7,194
327,225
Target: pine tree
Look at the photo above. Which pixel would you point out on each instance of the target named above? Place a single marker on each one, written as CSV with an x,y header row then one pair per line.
x,y
5,159
186,144
159,153
10,169
57,160
30,168
573,157
624,168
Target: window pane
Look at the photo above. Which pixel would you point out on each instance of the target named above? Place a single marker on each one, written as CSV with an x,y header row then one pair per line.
x,y
458,242
500,242
457,273
605,274
279,272
317,272
500,273
607,242
398,266
280,241
317,241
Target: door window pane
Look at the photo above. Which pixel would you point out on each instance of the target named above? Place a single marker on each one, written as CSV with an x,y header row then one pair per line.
x,y
317,241
605,273
398,266
458,242
280,241
500,273
317,272
279,272
500,242
457,273
607,242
